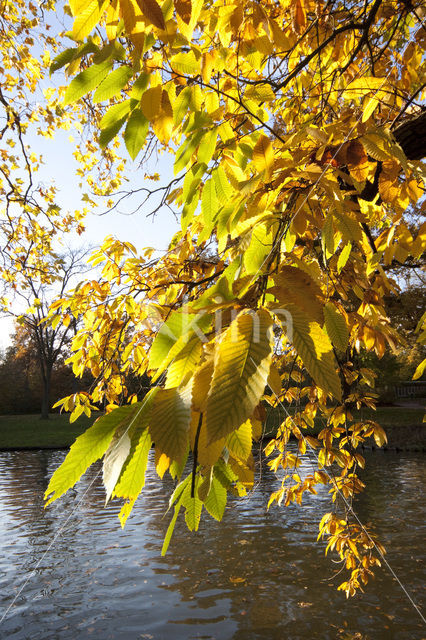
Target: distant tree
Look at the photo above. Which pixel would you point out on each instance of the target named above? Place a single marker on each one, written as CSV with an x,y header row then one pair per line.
x,y
36,290
21,384
19,375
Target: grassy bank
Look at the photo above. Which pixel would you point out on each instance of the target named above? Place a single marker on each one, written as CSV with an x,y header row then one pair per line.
x,y
23,431
386,416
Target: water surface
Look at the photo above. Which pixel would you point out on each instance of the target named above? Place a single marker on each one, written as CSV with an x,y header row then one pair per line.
x,y
258,575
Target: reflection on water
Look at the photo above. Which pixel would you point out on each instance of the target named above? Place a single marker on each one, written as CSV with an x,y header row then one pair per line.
x,y
257,575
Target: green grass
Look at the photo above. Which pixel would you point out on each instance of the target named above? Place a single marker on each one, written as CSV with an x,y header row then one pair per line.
x,y
30,431
392,416
385,416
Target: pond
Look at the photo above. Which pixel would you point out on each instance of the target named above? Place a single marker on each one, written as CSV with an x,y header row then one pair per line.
x,y
258,575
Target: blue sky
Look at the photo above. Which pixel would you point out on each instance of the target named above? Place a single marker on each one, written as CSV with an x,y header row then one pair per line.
x,y
138,228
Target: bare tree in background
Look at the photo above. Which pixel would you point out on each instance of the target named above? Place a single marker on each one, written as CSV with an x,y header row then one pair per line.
x,y
32,294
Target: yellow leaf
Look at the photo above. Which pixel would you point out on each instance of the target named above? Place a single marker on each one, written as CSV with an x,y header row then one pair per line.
x,y
369,108
349,227
244,471
414,190
379,436
241,369
183,9
152,10
112,20
363,85
201,385
263,155
163,124
87,18
328,238
274,380
184,363
128,13
207,65
298,16
170,418
239,442
162,462
420,369
151,102
344,256
295,286
207,454
336,326
315,350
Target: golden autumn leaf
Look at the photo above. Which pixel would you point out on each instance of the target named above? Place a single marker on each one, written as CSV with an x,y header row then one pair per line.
x,y
298,16
296,286
263,155
241,369
152,10
183,9
151,103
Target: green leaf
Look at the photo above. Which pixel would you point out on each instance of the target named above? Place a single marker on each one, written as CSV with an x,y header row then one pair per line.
x,y
315,350
239,442
258,250
222,288
241,369
135,133
185,151
62,59
177,324
181,105
207,146
336,326
132,478
106,135
184,363
88,448
185,63
114,113
193,506
86,81
177,495
209,207
114,459
171,527
113,84
222,184
169,425
215,502
139,86
188,213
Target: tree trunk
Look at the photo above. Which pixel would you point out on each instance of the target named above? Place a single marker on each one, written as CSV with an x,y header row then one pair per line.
x,y
411,136
45,401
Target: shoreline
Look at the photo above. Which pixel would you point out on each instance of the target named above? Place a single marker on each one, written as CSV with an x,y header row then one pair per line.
x,y
397,441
